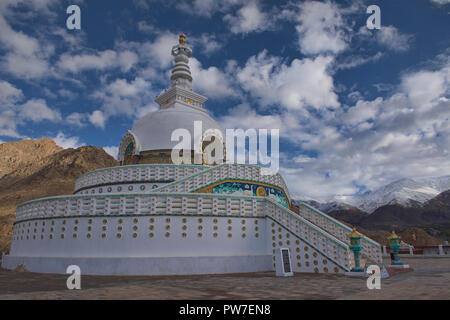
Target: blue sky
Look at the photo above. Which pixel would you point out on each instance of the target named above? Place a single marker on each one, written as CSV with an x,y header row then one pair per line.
x,y
356,108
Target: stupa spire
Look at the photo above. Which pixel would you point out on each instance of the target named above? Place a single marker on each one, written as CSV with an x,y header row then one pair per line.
x,y
181,73
181,91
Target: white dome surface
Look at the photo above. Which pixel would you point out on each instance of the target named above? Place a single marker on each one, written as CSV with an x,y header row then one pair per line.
x,y
154,131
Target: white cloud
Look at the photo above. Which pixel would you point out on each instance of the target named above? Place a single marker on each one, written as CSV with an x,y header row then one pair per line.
x,y
97,119
29,57
321,28
123,97
390,37
25,57
67,142
303,159
43,6
199,7
311,184
67,94
9,97
333,152
377,142
29,67
37,110
126,60
9,93
98,61
113,151
18,42
76,119
14,113
302,83
145,27
352,61
425,87
210,81
154,57
362,111
206,8
440,2
249,18
49,93
74,40
142,4
244,117
8,124
159,50
207,42
327,28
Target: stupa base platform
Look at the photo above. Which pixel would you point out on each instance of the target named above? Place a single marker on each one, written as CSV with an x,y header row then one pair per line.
x,y
142,265
395,269
361,274
399,266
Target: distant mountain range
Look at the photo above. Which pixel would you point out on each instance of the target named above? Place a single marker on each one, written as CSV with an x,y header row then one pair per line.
x,y
406,203
404,192
410,193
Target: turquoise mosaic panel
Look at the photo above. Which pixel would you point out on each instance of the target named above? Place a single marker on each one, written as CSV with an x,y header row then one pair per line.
x,y
249,189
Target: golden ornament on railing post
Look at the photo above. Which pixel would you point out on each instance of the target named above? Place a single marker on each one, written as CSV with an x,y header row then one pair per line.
x,y
394,244
356,247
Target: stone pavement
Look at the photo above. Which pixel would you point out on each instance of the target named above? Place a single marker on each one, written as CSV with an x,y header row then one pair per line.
x,y
430,280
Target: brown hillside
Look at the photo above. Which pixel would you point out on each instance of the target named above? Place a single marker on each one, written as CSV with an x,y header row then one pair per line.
x,y
418,237
39,168
17,154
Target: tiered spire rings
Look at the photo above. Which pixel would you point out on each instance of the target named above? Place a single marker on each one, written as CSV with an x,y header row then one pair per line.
x,y
181,74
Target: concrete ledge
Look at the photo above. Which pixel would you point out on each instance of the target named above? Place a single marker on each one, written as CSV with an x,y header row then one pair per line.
x,y
143,265
407,256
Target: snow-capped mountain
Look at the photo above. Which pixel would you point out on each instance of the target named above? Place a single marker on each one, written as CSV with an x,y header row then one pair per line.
x,y
325,206
404,192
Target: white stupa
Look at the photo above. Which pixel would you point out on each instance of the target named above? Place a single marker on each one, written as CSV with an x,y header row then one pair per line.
x,y
149,141
149,216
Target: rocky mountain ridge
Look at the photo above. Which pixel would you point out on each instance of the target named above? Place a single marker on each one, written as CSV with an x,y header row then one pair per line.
x,y
32,169
431,219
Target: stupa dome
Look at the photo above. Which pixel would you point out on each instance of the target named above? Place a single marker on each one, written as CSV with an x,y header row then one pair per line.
x,y
154,131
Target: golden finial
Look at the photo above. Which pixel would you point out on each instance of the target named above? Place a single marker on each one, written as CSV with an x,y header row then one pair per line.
x,y
182,39
393,236
354,234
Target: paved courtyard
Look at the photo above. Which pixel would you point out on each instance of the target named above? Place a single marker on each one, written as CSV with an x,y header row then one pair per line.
x,y
429,280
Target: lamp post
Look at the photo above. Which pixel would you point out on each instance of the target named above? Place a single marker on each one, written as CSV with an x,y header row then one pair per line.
x,y
356,247
394,244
